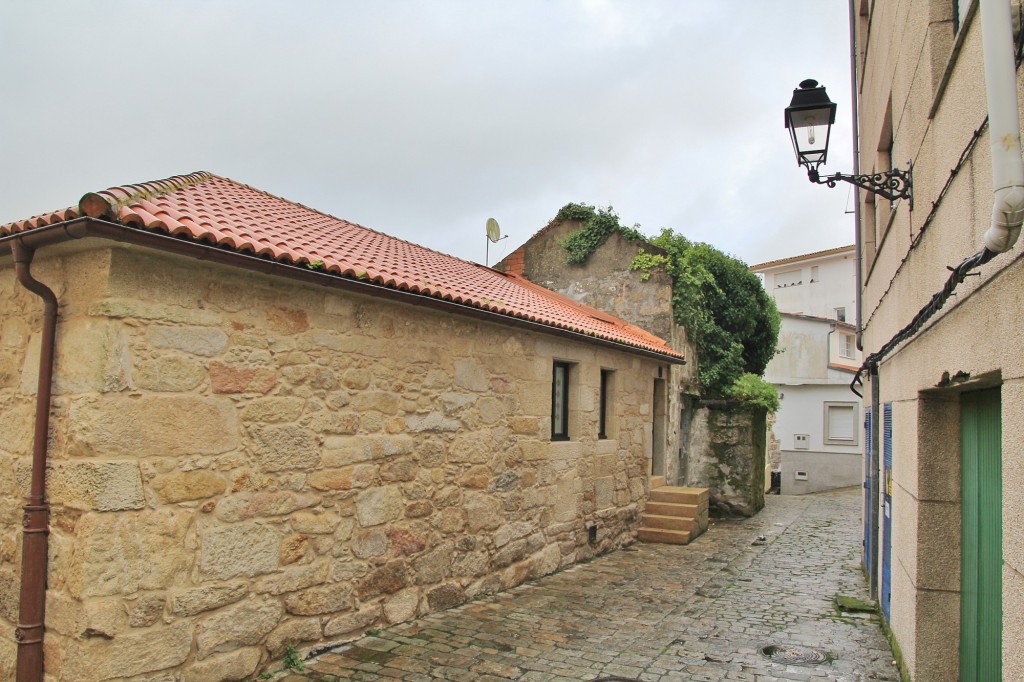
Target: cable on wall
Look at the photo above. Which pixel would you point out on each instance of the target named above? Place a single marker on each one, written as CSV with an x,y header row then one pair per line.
x,y
956,277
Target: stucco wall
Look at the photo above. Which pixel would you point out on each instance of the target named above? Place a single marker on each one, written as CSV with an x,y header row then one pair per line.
x,y
820,471
239,463
932,81
826,283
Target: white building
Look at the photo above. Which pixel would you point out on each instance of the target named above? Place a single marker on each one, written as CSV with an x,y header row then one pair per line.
x,y
818,425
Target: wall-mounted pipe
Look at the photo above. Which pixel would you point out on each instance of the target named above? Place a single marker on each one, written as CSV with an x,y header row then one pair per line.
x,y
1003,126
828,345
875,479
855,128
36,521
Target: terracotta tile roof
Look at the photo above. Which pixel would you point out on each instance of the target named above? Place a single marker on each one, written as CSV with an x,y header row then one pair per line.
x,y
208,208
797,259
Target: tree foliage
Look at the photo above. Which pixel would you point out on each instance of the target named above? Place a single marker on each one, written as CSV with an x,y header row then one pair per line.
x,y
753,390
729,317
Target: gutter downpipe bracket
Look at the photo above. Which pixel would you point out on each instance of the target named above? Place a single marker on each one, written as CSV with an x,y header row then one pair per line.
x,y
36,519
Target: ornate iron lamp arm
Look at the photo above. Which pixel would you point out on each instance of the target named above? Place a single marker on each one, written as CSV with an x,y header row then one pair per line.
x,y
894,184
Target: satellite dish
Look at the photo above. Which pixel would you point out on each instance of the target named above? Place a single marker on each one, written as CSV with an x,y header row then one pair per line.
x,y
493,231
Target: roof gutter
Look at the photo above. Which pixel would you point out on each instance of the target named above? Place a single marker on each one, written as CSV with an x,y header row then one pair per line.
x,y
92,227
1004,126
35,538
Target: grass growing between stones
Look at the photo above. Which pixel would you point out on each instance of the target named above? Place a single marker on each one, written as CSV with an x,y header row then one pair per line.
x,y
853,604
897,653
843,607
292,660
845,604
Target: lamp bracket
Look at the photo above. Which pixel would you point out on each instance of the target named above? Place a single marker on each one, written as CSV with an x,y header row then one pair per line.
x,y
893,185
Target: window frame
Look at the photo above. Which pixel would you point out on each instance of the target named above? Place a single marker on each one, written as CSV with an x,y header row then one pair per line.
x,y
604,403
846,345
560,426
789,278
827,437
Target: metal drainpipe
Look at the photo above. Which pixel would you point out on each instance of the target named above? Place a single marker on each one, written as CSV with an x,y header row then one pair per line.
x,y
858,254
876,432
859,257
35,522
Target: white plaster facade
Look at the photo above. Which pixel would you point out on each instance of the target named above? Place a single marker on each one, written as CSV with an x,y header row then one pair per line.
x,y
818,422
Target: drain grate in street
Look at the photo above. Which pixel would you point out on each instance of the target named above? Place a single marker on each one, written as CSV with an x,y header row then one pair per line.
x,y
793,655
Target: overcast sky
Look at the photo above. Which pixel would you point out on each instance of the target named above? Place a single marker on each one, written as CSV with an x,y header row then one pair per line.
x,y
422,119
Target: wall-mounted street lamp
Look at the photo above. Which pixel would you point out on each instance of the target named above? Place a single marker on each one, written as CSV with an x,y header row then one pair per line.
x,y
809,118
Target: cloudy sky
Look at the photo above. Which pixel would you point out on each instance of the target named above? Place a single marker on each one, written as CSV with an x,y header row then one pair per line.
x,y
422,119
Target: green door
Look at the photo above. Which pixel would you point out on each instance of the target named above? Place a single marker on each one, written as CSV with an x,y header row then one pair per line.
x,y
981,604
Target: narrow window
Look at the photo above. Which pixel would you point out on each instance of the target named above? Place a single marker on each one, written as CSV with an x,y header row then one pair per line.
x,y
846,345
560,402
814,274
605,402
789,278
840,423
839,314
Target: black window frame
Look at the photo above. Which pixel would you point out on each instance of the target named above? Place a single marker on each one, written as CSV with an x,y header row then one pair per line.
x,y
560,430
604,403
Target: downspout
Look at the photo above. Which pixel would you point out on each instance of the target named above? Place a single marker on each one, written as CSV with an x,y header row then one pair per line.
x,y
858,254
35,522
1003,126
875,435
876,444
828,345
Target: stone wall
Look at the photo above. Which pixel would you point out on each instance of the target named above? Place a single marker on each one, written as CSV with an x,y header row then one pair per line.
x,y
708,447
605,282
726,453
240,463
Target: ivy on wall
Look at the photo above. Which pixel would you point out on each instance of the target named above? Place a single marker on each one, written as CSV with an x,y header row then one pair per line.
x,y
598,225
731,320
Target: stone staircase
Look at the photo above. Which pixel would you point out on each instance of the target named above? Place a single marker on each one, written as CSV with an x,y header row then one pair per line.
x,y
674,514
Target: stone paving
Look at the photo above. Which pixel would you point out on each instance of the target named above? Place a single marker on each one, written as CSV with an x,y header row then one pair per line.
x,y
658,613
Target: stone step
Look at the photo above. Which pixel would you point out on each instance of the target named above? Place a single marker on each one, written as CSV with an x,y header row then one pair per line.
x,y
671,537
688,511
657,482
681,495
670,523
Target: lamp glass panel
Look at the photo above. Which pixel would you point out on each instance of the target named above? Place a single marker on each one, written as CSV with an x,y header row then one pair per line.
x,y
810,148
809,131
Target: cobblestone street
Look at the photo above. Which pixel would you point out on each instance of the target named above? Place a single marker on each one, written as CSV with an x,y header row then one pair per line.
x,y
657,613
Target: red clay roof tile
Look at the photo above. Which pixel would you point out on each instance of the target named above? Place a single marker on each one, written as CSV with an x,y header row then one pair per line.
x,y
209,208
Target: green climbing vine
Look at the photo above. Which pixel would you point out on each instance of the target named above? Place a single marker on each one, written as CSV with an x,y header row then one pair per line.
x,y
646,263
598,225
730,319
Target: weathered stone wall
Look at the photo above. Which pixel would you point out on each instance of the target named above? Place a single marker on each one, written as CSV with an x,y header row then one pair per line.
x,y
605,282
727,455
240,463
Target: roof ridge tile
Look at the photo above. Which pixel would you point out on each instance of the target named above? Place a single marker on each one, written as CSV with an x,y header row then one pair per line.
x,y
116,198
